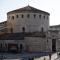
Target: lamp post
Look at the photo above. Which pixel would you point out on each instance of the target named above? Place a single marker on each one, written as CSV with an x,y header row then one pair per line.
x,y
48,37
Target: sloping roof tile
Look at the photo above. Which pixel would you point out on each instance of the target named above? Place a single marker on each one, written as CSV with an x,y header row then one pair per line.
x,y
27,9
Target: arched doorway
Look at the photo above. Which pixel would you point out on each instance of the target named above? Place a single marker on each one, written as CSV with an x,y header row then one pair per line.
x,y
21,47
23,29
13,48
42,29
53,45
11,30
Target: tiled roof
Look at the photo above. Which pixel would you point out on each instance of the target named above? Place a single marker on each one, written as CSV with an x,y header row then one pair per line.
x,y
55,26
27,9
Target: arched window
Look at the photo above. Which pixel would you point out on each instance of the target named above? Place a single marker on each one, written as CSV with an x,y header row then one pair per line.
x,y
23,29
34,15
12,17
17,16
42,29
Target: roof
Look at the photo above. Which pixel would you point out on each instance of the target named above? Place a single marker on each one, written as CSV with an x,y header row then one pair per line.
x,y
28,9
55,31
3,22
55,26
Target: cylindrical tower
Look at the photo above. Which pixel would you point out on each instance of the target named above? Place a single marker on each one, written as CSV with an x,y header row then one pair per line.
x,y
32,19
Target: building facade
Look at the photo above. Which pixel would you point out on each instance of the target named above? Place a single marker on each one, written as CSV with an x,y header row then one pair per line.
x,y
28,31
3,28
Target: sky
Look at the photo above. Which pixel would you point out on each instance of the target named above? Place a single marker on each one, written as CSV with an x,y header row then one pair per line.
x,y
51,6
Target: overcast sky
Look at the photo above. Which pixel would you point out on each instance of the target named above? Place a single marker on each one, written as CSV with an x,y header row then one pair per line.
x,y
51,6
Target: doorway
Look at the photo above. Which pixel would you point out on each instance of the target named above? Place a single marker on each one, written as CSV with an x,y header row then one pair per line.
x,y
13,48
53,45
21,47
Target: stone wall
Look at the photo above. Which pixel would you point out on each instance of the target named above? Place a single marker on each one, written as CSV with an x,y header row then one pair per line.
x,y
38,44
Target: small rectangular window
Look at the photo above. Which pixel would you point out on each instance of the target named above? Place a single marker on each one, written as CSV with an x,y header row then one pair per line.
x,y
44,17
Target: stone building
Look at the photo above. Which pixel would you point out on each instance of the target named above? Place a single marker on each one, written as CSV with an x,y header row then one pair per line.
x,y
28,31
55,35
29,18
